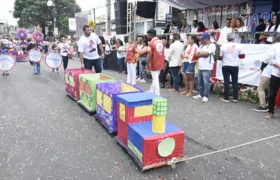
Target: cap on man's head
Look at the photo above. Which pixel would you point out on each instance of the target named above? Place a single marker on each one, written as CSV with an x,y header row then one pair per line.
x,y
205,36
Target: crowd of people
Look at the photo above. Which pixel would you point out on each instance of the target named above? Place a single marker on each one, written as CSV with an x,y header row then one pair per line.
x,y
64,46
190,63
264,32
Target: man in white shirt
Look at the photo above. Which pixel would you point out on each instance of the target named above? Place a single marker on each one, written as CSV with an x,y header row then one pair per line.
x,y
175,61
225,31
195,26
231,53
206,60
263,85
88,50
185,27
274,57
64,51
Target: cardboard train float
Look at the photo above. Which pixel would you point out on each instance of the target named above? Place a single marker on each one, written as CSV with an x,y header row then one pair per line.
x,y
138,118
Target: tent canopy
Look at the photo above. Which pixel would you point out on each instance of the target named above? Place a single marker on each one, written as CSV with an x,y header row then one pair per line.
x,y
200,4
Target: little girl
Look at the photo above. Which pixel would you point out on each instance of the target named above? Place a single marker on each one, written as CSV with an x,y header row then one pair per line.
x,y
4,50
54,49
36,65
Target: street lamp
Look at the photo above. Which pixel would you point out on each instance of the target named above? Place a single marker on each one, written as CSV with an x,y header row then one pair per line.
x,y
50,3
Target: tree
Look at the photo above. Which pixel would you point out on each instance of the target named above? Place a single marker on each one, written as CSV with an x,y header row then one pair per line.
x,y
37,13
64,26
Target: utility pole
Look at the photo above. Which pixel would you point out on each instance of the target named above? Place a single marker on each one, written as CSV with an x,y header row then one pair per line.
x,y
108,17
154,20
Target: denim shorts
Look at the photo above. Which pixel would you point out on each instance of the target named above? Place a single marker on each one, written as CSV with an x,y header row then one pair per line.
x,y
188,68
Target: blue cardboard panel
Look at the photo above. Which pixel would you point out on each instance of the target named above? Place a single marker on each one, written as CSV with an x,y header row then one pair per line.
x,y
137,99
135,138
145,129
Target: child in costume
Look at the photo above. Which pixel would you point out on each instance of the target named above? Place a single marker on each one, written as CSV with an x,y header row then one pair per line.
x,y
36,65
4,50
54,49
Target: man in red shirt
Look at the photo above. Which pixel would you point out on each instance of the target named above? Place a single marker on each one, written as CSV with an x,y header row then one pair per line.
x,y
155,60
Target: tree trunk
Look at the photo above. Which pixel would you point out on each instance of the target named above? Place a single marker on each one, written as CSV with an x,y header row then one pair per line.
x,y
43,26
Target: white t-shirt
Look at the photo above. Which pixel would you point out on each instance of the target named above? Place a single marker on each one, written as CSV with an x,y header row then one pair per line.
x,y
191,50
242,29
88,46
173,29
121,54
166,53
226,30
64,49
267,71
274,57
223,36
107,49
272,29
230,53
194,30
207,63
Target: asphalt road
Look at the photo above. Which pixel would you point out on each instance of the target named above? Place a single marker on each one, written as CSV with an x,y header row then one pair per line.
x,y
44,135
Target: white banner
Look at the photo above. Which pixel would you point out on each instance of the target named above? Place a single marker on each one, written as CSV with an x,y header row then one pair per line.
x,y
35,55
72,24
7,62
249,68
54,60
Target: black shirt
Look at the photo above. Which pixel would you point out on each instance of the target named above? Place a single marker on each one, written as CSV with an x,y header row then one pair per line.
x,y
259,28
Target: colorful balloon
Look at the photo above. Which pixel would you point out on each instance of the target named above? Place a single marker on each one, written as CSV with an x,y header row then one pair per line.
x,y
38,36
21,34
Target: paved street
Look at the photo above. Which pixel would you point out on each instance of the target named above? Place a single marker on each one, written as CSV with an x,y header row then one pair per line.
x,y
44,135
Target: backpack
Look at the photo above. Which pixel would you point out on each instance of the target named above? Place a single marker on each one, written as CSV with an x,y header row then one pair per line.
x,y
216,56
217,52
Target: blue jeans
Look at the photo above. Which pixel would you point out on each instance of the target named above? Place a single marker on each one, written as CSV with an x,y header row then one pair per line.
x,y
36,67
121,64
102,62
175,76
142,74
96,63
196,83
204,82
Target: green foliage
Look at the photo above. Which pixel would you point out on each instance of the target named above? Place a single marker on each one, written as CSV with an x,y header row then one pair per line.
x,y
37,13
245,93
64,26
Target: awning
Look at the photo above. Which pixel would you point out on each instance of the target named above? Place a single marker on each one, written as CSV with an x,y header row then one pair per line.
x,y
200,4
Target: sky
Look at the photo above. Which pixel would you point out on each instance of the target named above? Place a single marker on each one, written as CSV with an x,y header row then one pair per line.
x,y
9,5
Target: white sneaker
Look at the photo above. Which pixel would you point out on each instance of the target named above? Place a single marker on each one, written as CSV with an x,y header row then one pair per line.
x,y
197,96
143,81
205,99
138,79
194,91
